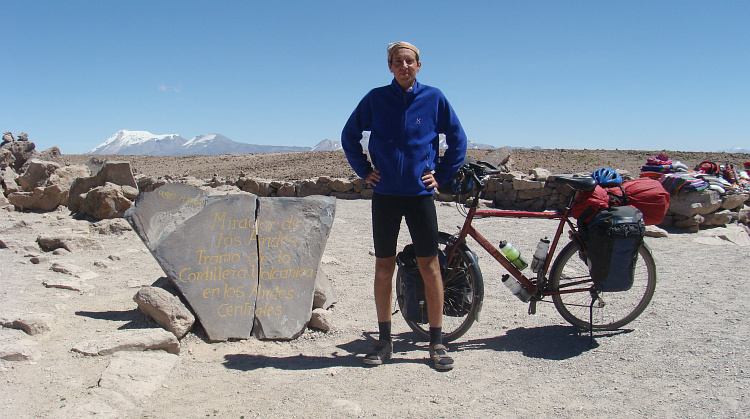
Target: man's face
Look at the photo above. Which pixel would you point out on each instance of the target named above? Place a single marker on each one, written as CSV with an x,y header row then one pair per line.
x,y
404,66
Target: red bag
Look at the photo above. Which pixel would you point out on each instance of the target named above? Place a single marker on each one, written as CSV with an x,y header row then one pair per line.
x,y
589,203
648,195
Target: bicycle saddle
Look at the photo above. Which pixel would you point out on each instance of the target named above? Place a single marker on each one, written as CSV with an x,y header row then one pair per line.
x,y
579,183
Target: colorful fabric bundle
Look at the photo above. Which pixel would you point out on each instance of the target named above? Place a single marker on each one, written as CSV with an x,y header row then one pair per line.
x,y
659,160
658,168
676,183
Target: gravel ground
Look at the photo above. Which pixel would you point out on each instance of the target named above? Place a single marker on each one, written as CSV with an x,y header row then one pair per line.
x,y
687,356
306,165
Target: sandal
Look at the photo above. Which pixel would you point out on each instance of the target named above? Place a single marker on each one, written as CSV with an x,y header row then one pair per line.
x,y
440,358
380,352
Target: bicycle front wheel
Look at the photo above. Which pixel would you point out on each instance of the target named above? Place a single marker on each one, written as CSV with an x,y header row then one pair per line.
x,y
611,310
463,291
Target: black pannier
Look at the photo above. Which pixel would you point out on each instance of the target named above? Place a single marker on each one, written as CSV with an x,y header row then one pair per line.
x,y
613,237
414,303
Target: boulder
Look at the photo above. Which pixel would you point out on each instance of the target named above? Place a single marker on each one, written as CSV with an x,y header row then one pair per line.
x,y
166,309
114,172
692,203
37,174
108,201
718,218
39,199
8,179
21,152
64,177
499,158
733,201
6,158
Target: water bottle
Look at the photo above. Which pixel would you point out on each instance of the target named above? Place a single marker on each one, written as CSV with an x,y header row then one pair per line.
x,y
516,288
513,255
540,255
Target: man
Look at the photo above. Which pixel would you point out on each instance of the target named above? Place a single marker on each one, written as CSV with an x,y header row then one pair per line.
x,y
404,120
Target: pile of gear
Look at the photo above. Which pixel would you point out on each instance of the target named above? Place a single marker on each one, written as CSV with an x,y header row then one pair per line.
x,y
677,178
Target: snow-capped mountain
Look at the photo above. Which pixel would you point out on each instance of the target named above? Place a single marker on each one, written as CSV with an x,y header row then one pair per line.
x,y
139,142
736,150
145,143
328,145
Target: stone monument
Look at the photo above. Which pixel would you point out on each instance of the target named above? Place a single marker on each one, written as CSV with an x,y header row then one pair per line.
x,y
246,265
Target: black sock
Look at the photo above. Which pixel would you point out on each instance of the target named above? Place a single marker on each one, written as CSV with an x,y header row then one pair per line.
x,y
436,336
385,331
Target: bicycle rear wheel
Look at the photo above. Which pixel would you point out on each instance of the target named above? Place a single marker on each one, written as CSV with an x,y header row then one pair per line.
x,y
611,310
463,293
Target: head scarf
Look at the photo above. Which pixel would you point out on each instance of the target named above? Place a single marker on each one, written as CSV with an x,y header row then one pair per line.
x,y
394,46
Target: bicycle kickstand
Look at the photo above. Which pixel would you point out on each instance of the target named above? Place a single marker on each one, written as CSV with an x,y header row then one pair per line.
x,y
591,322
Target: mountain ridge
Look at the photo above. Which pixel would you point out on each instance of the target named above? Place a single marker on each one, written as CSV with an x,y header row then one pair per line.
x,y
127,142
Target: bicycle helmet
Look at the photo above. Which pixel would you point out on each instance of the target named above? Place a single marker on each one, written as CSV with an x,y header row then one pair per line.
x,y
607,177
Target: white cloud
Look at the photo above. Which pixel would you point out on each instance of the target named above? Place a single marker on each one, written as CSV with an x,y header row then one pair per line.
x,y
164,88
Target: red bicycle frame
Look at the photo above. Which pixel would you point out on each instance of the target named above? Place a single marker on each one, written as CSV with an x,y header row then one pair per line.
x,y
468,230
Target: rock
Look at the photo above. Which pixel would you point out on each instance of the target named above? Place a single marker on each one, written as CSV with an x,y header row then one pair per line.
x,y
266,260
115,172
108,201
37,174
71,243
692,203
499,157
73,270
138,375
654,231
286,189
115,226
52,154
717,218
325,295
73,284
310,187
743,215
21,152
6,158
166,309
130,340
31,323
539,174
16,352
520,184
341,185
692,221
733,201
303,224
8,178
320,319
260,187
65,176
39,199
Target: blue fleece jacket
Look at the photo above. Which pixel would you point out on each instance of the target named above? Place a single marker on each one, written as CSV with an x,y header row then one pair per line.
x,y
404,128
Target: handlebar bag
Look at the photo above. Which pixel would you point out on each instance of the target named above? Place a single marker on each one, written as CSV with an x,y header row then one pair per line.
x,y
411,293
613,238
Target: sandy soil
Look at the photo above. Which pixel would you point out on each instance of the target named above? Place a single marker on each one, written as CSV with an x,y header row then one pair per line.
x,y
687,356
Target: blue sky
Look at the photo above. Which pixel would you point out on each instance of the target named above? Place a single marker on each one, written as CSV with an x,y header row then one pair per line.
x,y
644,75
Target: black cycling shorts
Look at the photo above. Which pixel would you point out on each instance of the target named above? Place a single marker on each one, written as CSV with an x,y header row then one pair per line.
x,y
421,219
